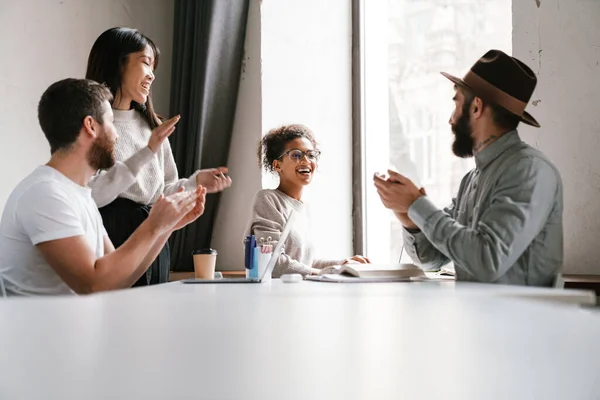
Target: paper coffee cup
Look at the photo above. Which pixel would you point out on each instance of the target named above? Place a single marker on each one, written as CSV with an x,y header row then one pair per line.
x,y
204,263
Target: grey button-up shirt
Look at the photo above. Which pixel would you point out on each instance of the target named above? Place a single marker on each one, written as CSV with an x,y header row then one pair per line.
x,y
504,226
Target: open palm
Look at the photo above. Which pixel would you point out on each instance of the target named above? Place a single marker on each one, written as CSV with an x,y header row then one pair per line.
x,y
196,212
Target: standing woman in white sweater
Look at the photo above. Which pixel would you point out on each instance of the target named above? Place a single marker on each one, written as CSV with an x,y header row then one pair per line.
x,y
290,152
125,60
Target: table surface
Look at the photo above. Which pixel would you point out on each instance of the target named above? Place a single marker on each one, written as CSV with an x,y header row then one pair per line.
x,y
305,340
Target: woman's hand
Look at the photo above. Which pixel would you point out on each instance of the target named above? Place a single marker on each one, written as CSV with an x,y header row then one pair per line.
x,y
357,260
161,133
214,180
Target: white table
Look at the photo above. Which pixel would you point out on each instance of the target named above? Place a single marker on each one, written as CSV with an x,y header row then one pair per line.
x,y
300,341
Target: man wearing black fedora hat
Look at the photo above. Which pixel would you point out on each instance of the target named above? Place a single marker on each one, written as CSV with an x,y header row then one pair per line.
x,y
505,224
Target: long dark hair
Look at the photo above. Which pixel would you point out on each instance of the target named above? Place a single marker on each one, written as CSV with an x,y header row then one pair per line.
x,y
107,60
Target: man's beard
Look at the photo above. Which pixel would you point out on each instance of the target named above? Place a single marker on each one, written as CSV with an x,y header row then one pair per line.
x,y
463,141
101,155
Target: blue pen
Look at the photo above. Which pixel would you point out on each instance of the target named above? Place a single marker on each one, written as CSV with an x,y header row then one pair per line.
x,y
252,246
247,252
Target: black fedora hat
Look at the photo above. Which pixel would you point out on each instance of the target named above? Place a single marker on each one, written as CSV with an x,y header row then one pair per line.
x,y
501,79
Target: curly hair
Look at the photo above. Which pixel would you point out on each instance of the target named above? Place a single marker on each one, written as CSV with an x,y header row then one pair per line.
x,y
272,145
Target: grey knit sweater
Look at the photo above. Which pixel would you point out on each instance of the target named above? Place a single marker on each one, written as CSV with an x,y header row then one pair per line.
x,y
269,215
139,174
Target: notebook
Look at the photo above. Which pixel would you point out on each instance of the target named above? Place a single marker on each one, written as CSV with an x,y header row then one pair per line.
x,y
369,273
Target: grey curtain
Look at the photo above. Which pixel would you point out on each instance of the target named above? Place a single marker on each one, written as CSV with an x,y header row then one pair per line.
x,y
208,47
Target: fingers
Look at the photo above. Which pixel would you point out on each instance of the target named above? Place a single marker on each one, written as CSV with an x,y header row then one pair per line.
x,y
165,133
223,170
221,176
200,193
199,208
380,182
218,170
170,123
360,259
383,187
168,132
396,177
165,129
215,179
199,205
200,198
215,171
183,200
188,202
379,177
224,182
161,133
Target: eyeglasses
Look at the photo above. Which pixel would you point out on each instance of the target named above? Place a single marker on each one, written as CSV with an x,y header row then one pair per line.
x,y
296,155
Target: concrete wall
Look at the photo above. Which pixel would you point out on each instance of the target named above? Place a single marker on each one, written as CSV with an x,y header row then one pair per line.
x,y
236,202
560,41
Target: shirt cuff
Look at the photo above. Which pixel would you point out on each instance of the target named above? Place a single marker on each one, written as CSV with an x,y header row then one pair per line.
x,y
138,160
421,210
190,183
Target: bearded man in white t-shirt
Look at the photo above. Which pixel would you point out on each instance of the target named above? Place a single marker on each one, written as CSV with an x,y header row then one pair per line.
x,y
52,240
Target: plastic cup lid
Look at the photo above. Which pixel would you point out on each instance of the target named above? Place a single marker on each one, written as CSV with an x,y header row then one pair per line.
x,y
205,251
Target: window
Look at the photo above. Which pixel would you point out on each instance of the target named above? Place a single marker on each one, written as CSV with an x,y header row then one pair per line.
x,y
406,103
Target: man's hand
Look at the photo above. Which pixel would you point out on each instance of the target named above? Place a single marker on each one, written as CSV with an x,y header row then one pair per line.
x,y
196,212
168,211
357,260
161,133
397,193
405,219
214,180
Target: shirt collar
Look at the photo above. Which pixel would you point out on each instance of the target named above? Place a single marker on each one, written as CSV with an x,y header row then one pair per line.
x,y
496,148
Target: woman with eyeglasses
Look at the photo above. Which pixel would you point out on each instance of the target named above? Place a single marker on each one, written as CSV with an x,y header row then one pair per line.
x,y
290,152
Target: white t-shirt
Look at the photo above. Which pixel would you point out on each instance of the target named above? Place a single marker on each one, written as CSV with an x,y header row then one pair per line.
x,y
45,206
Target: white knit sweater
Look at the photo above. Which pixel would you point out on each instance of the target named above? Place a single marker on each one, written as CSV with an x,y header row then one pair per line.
x,y
269,215
139,174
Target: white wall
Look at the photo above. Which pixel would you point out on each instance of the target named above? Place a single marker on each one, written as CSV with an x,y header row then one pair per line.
x,y
560,41
236,202
42,41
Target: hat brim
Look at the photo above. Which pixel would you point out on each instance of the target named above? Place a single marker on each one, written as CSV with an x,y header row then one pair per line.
x,y
525,118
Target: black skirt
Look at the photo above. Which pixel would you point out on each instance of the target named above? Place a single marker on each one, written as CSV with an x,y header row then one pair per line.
x,y
121,218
